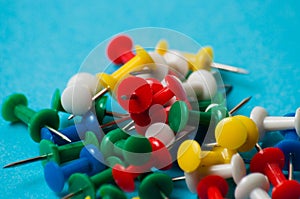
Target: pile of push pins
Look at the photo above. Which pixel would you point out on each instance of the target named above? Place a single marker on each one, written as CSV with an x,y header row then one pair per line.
x,y
169,102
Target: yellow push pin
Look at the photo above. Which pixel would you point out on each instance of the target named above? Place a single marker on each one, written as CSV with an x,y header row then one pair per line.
x,y
138,62
203,59
188,155
237,133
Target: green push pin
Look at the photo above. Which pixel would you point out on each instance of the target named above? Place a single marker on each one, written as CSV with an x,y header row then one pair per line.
x,y
14,109
59,154
156,185
109,191
80,185
56,101
107,146
180,116
101,111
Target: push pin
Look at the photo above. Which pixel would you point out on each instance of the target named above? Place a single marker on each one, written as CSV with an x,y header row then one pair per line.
x,y
89,162
201,84
270,161
75,132
180,116
190,150
273,123
56,101
212,187
236,170
101,110
77,96
58,154
119,49
110,191
133,94
237,133
157,70
290,148
201,60
156,185
14,109
81,185
173,88
253,186
107,145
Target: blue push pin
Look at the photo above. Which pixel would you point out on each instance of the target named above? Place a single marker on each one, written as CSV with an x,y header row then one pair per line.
x,y
76,132
290,146
89,162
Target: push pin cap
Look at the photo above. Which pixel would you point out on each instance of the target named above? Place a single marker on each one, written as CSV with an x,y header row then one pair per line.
x,y
134,94
119,49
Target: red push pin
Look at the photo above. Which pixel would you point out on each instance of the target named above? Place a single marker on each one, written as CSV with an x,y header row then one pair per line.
x,y
155,85
119,50
212,187
173,88
134,94
270,161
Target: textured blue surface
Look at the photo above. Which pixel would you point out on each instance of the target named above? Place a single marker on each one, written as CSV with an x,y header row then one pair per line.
x,y
43,43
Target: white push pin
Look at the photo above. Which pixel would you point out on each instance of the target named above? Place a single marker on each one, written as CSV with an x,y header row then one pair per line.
x,y
87,79
253,186
177,61
161,131
77,97
159,71
236,170
201,84
274,123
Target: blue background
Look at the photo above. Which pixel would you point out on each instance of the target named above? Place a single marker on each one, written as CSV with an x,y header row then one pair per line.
x,y
42,44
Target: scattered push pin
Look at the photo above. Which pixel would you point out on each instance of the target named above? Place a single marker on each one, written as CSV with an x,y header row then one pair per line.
x,y
14,109
133,94
190,156
274,123
58,154
101,110
180,116
77,97
201,60
89,162
237,133
201,84
119,49
270,162
107,146
158,70
212,187
236,169
76,132
290,146
253,186
56,101
173,88
156,185
81,185
109,191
